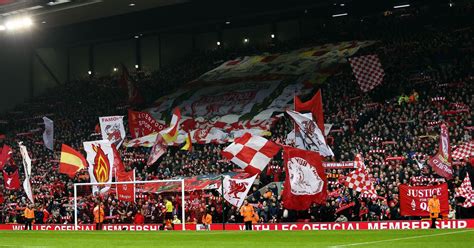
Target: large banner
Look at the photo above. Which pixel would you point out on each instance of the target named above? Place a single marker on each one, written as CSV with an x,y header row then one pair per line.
x,y
414,199
100,157
228,105
319,226
112,129
314,64
142,123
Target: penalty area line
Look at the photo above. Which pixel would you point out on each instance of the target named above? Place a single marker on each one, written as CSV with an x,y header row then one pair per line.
x,y
397,239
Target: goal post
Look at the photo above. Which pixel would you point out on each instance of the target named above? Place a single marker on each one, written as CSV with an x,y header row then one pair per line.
x,y
135,183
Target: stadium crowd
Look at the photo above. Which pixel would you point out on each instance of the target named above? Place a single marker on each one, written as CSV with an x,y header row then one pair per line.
x,y
395,127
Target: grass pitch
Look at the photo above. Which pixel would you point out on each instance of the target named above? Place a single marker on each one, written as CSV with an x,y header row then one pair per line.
x,y
333,239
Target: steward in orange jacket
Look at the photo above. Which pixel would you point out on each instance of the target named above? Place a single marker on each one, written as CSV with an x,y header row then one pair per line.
x,y
434,208
247,212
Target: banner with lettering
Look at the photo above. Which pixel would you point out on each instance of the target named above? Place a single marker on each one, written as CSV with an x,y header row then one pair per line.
x,y
142,123
414,199
112,129
441,162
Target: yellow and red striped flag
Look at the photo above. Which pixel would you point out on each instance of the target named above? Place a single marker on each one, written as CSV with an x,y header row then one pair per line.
x,y
170,134
188,145
71,161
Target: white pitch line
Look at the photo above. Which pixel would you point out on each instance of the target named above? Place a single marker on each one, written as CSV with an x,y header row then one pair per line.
x,y
387,240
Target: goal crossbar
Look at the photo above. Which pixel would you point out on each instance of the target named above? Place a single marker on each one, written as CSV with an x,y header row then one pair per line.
x,y
183,221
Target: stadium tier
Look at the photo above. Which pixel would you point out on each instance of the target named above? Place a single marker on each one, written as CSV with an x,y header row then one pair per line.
x,y
330,131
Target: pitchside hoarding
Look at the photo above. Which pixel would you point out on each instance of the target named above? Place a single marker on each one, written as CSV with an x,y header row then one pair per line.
x,y
320,226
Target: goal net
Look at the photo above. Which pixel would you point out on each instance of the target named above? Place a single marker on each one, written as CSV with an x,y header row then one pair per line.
x,y
132,205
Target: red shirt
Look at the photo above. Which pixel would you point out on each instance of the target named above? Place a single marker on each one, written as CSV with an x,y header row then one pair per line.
x,y
139,219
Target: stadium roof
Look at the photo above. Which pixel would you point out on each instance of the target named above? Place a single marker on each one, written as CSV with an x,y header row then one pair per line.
x,y
65,12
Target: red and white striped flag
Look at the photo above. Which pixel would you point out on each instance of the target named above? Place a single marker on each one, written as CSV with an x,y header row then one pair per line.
x,y
466,192
251,153
368,71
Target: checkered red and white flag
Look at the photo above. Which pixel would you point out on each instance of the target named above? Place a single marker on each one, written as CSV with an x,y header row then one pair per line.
x,y
466,191
360,181
251,153
463,151
368,71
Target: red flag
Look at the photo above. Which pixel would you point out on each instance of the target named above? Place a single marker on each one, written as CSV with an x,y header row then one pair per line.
x,y
441,162
5,156
125,192
142,124
306,181
315,106
71,161
414,199
12,181
134,96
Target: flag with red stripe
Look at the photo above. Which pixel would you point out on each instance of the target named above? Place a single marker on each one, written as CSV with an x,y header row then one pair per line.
x,y
71,161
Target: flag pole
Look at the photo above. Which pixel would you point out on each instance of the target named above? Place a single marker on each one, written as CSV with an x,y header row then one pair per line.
x,y
222,195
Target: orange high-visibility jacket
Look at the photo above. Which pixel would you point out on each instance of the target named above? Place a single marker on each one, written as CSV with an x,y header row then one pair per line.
x,y
207,219
247,212
29,213
98,216
434,207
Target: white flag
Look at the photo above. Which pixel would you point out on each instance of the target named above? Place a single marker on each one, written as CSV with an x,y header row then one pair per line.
x,y
27,188
100,157
236,190
48,134
112,129
308,136
25,158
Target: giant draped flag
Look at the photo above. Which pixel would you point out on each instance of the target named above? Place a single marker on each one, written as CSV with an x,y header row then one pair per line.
x,y
100,157
465,191
5,156
170,134
315,106
305,181
48,134
414,199
441,162
360,181
235,190
142,124
71,161
25,158
308,136
244,93
368,71
465,150
12,180
251,153
125,192
112,129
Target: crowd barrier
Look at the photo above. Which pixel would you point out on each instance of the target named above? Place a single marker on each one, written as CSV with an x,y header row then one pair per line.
x,y
371,225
